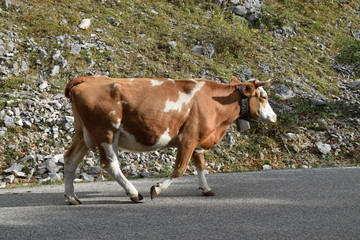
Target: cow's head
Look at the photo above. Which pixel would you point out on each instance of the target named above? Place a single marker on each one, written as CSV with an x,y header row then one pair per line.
x,y
254,102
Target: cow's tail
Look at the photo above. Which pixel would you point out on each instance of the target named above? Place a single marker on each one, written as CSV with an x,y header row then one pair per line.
x,y
73,83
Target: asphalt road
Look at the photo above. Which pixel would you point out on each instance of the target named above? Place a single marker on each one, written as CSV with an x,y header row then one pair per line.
x,y
279,204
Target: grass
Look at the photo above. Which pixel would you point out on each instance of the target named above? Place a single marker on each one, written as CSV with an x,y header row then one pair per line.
x,y
138,44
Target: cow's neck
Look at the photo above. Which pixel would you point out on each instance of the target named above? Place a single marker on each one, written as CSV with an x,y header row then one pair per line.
x,y
228,107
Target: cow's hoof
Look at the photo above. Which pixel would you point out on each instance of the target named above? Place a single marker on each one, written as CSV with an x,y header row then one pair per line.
x,y
209,193
153,192
136,199
73,200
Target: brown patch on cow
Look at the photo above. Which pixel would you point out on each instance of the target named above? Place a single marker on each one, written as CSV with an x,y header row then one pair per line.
x,y
235,80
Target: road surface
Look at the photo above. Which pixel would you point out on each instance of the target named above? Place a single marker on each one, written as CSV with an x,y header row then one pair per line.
x,y
276,204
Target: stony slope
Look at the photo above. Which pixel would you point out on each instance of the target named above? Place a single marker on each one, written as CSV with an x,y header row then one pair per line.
x,y
310,50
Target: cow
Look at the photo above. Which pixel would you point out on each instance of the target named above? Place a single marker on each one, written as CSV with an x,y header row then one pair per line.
x,y
147,114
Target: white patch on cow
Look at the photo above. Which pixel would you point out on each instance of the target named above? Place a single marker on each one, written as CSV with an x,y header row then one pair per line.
x,y
117,124
267,114
199,150
131,79
122,102
203,185
128,141
115,171
112,113
171,80
156,82
164,139
115,85
182,99
163,185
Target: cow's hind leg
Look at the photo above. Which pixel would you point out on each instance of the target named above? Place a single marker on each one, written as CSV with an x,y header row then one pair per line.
x,y
111,165
72,158
199,162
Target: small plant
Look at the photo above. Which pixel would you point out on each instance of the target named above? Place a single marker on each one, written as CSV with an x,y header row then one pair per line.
x,y
350,54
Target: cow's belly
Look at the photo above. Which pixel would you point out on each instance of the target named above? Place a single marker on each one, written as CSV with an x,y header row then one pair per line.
x,y
128,142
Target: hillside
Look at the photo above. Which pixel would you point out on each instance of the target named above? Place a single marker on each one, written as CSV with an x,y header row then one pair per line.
x,y
310,50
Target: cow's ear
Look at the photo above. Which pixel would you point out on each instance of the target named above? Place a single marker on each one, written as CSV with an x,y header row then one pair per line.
x,y
234,80
248,88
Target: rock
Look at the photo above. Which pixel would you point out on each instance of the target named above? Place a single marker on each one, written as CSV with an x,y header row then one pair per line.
x,y
317,102
240,10
55,70
15,167
9,121
51,165
87,177
267,167
101,178
19,174
283,91
55,177
197,49
355,85
27,158
2,184
95,170
112,21
43,85
172,44
9,179
75,49
85,23
323,148
43,53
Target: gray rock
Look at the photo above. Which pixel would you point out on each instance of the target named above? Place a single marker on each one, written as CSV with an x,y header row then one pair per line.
x,y
317,102
19,174
87,177
198,49
27,158
85,23
43,85
63,22
208,50
55,70
43,53
100,178
283,91
9,179
240,10
2,184
323,147
15,167
9,121
55,177
75,49
355,85
172,44
267,167
51,165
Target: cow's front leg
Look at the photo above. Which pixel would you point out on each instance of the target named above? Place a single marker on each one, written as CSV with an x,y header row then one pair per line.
x,y
199,162
111,165
181,163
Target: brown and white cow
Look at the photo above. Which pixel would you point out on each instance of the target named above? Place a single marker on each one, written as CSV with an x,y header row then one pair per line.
x,y
148,114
